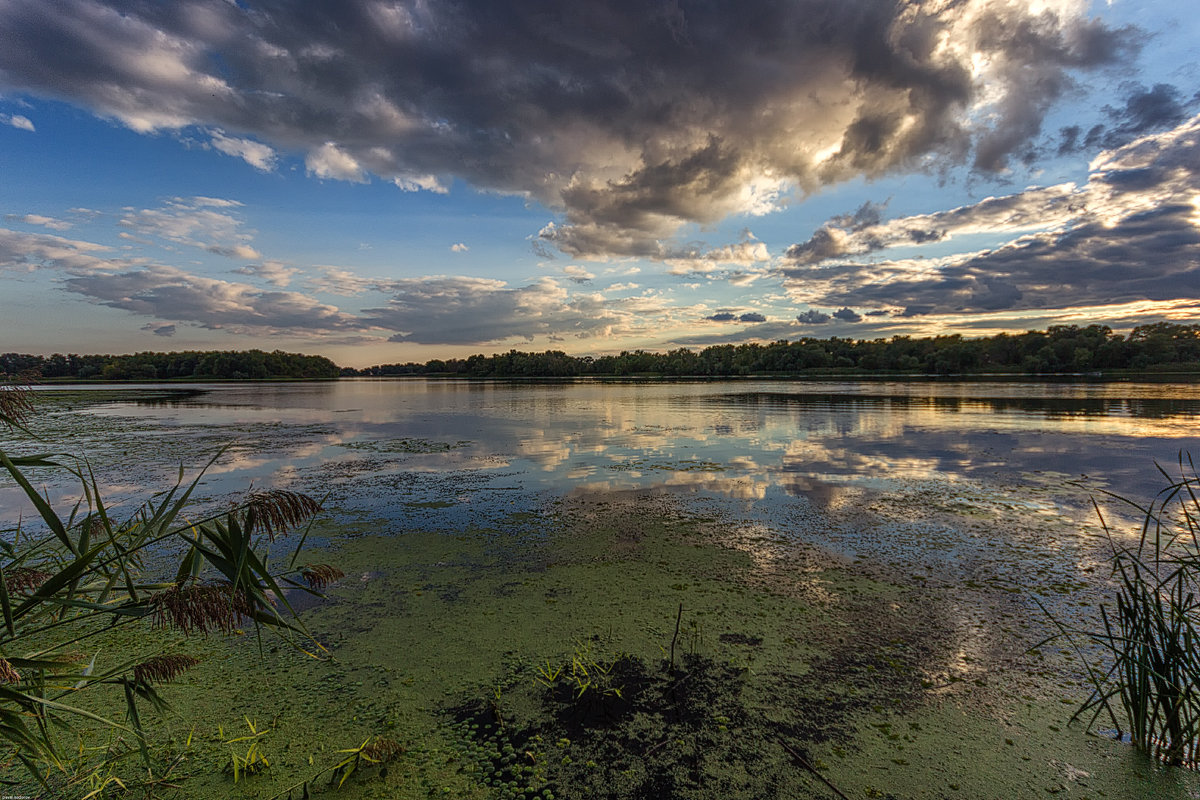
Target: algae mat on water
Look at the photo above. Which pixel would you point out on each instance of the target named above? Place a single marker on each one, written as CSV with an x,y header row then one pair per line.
x,y
540,657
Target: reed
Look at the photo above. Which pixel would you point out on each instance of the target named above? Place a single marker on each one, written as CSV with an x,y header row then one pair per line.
x,y
77,572
1147,682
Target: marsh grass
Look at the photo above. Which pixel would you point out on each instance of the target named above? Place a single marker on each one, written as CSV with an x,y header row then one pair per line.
x,y
1148,685
76,574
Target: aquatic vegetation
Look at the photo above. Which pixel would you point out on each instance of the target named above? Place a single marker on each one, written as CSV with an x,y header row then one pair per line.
x,y
85,573
253,760
375,751
1151,635
407,445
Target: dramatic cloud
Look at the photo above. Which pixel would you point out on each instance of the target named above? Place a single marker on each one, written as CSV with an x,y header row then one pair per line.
x,y
1132,233
629,118
193,221
1145,111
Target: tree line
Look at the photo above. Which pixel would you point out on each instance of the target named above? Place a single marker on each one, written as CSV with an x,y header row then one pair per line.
x,y
1058,349
194,364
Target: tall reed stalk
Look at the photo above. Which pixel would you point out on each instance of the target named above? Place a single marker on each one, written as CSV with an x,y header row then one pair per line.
x,y
1149,683
75,573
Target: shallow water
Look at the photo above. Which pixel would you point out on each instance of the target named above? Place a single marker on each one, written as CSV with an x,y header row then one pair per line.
x,y
932,520
378,443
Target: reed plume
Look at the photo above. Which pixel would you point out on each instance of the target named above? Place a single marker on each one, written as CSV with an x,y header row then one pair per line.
x,y
163,669
16,406
276,510
318,576
7,673
200,607
23,580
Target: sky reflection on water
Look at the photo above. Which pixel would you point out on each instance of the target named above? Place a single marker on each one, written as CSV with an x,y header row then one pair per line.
x,y
410,441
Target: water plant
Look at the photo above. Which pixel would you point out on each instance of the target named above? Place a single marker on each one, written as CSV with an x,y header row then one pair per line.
x,y
82,572
375,751
253,760
1148,684
590,682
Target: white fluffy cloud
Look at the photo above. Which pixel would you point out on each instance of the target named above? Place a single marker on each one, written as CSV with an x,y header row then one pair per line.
x,y
256,154
205,222
274,272
28,251
17,121
330,161
37,219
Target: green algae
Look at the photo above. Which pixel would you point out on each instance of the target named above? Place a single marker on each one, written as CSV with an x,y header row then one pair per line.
x,y
890,656
435,639
410,445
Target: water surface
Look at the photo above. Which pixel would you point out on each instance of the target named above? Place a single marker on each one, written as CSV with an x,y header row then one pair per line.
x,y
400,443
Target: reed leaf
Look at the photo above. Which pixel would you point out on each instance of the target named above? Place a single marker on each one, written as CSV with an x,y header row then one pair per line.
x,y
1150,634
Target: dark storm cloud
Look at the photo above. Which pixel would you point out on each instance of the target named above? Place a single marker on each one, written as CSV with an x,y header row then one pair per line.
x,y
629,117
1144,111
813,317
729,316
1131,234
1037,75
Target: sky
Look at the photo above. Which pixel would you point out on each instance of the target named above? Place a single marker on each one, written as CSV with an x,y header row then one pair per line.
x,y
384,181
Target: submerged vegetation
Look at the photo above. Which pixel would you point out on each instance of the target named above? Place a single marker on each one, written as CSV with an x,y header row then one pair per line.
x,y
71,710
1149,684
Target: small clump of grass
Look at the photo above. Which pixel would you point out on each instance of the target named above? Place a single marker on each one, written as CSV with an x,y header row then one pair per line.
x,y
1149,687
